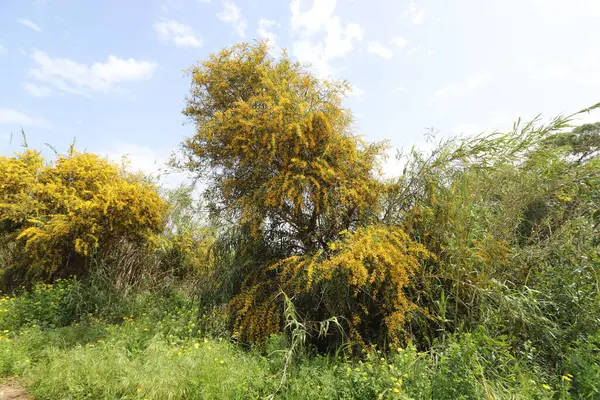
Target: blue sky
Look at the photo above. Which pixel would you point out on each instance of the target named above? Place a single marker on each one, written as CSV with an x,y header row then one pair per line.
x,y
110,73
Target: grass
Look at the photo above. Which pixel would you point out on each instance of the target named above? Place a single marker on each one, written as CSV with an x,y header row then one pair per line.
x,y
167,352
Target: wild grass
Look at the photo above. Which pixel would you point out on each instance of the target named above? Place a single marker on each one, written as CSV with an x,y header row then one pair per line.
x,y
163,350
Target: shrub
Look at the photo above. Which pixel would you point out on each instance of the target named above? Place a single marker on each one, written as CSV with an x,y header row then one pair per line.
x,y
58,215
360,281
46,306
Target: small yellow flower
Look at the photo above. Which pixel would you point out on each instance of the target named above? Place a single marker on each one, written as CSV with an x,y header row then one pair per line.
x,y
547,387
222,362
396,390
400,349
145,329
205,340
196,345
139,389
566,378
100,340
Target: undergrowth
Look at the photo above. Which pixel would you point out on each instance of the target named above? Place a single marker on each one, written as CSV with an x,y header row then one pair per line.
x,y
161,347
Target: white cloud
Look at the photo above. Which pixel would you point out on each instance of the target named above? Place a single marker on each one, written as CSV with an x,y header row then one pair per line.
x,y
357,93
586,118
30,24
264,31
37,91
467,129
584,71
562,13
3,50
169,5
399,41
417,15
457,90
66,75
232,15
180,35
377,48
397,90
320,36
9,116
147,160
413,50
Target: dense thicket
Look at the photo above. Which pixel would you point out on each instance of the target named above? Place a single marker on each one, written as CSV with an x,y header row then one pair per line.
x,y
493,231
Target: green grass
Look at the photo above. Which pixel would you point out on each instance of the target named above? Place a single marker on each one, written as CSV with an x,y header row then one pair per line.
x,y
164,351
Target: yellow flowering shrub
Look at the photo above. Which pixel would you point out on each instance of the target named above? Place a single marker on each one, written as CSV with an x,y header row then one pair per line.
x,y
361,280
58,215
277,146
285,166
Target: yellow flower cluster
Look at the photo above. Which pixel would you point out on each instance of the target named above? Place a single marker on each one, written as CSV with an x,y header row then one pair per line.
x,y
62,213
278,137
363,281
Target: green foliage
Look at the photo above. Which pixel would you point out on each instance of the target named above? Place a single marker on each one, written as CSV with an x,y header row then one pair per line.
x,y
160,350
47,306
185,246
582,368
511,221
460,373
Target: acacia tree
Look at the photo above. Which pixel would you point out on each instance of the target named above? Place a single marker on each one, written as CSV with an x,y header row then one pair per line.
x,y
282,161
278,147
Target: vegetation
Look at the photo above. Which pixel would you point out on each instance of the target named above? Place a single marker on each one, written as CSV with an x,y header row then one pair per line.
x,y
55,216
302,273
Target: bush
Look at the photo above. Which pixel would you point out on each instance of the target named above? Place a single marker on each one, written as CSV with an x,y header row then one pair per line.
x,y
57,216
360,282
46,306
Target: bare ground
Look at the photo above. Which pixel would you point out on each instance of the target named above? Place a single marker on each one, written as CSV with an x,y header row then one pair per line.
x,y
13,392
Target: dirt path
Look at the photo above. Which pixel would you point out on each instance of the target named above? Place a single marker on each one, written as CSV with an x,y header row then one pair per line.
x,y
11,392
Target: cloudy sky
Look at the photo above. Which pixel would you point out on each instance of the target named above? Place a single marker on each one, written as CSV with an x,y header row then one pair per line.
x,y
110,73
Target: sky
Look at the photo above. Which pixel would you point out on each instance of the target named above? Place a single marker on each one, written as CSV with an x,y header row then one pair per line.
x,y
111,74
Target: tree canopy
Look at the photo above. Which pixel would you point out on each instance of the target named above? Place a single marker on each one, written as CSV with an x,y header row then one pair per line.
x,y
279,147
283,161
